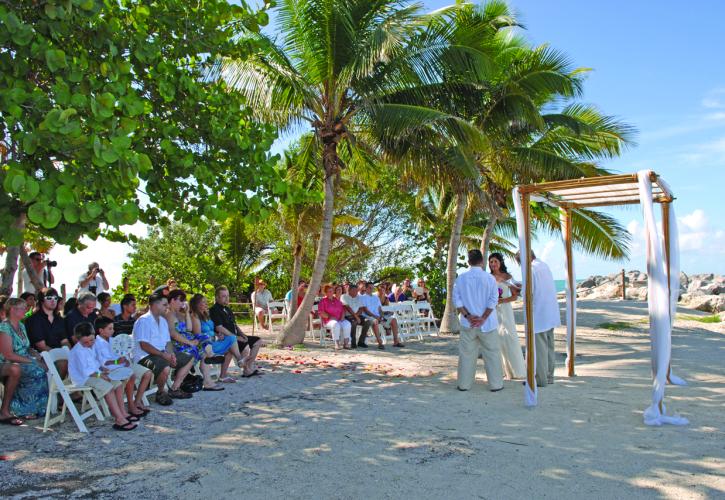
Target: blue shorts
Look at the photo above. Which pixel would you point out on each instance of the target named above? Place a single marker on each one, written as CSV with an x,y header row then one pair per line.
x,y
221,347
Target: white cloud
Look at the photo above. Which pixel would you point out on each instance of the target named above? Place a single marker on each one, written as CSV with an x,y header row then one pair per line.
x,y
696,221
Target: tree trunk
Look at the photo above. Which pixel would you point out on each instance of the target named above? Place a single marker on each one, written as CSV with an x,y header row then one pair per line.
x,y
11,261
34,278
487,234
449,322
296,269
294,331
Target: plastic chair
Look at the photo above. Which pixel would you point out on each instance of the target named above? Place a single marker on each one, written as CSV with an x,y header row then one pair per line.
x,y
122,345
56,386
429,323
276,310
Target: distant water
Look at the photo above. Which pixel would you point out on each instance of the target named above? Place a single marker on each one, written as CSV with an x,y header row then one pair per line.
x,y
561,284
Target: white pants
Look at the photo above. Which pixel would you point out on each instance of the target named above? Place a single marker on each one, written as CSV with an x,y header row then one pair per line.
x,y
338,327
545,357
472,342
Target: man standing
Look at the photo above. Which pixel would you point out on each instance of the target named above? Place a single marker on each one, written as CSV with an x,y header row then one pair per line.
x,y
85,312
123,323
224,324
475,296
94,280
154,350
42,270
546,317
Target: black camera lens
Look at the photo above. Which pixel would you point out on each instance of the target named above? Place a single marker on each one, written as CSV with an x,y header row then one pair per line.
x,y
51,263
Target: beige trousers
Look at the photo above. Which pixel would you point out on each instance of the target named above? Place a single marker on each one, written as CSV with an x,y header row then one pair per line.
x,y
472,342
545,357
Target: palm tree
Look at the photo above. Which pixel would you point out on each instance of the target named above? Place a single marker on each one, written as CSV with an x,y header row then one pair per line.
x,y
330,73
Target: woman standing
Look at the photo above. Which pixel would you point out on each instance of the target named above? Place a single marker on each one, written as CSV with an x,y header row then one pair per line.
x,y
513,358
332,313
31,394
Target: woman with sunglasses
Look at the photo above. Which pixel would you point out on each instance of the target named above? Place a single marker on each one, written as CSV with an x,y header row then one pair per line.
x,y
46,326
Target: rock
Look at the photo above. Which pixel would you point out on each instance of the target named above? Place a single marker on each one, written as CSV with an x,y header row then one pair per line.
x,y
713,289
588,283
696,284
702,302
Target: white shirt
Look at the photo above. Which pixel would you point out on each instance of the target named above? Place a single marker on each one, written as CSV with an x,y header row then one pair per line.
x,y
546,308
28,285
476,290
82,363
372,303
146,329
354,303
104,352
97,282
261,299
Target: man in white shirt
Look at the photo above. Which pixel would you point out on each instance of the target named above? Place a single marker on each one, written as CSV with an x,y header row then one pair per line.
x,y
546,317
352,302
154,350
475,296
42,271
94,280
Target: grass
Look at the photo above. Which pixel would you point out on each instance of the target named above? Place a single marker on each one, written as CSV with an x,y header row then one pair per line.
x,y
702,319
616,325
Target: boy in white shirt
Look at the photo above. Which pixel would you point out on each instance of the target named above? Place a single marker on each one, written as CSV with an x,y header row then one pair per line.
x,y
109,360
84,369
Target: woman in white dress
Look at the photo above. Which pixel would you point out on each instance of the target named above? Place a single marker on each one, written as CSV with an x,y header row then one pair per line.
x,y
513,359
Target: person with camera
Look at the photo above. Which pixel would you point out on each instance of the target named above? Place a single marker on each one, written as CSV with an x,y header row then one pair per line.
x,y
42,268
94,280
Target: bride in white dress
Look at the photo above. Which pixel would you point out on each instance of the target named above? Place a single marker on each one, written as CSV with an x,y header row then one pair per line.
x,y
513,359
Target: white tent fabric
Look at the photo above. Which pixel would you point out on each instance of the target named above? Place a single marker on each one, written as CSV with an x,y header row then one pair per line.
x,y
570,295
530,393
660,312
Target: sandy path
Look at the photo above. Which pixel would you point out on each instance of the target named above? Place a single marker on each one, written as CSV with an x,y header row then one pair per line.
x,y
390,429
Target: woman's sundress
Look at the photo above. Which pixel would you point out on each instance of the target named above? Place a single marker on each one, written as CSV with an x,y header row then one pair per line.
x,y
197,351
31,394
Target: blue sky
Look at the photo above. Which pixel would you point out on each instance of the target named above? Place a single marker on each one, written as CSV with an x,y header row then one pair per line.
x,y
657,65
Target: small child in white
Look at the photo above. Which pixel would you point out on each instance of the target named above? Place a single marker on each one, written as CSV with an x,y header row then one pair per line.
x,y
109,360
84,369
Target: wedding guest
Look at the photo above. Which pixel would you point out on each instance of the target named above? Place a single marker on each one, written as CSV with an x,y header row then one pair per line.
x,y
332,314
224,324
46,327
104,299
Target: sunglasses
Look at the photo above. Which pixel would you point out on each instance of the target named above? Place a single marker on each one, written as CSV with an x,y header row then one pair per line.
x,y
51,297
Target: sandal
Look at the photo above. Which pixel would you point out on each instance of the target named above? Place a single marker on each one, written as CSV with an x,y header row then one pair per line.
x,y
253,374
133,418
227,380
163,399
12,421
128,426
215,388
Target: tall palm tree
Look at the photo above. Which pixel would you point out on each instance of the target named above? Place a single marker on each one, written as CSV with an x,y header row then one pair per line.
x,y
329,73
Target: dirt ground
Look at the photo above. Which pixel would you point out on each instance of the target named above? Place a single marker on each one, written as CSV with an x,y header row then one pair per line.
x,y
371,424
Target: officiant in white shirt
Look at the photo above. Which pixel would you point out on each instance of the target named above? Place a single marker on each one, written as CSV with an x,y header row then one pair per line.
x,y
546,317
475,296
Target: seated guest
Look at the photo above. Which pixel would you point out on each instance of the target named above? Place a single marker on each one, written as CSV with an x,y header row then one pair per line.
x,y
224,324
3,299
84,312
104,298
46,327
154,350
261,298
397,295
198,346
29,298
420,292
351,301
202,324
123,323
373,309
85,369
332,314
10,374
30,395
339,290
110,361
69,305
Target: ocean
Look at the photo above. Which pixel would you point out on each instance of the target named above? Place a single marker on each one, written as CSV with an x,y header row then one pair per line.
x,y
561,284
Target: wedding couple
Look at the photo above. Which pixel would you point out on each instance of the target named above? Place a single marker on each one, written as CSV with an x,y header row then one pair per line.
x,y
476,295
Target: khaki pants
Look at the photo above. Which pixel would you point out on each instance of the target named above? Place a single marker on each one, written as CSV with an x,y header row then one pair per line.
x,y
545,357
472,342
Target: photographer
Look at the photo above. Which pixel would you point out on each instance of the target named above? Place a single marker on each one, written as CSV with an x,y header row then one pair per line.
x,y
94,280
42,270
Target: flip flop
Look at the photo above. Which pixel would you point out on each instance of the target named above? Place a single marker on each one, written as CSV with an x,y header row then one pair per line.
x,y
215,388
227,380
255,373
12,421
128,426
133,418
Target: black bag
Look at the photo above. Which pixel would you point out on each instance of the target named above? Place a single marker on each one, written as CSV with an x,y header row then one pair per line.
x,y
192,383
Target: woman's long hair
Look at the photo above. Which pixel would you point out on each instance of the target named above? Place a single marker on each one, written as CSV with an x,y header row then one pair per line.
x,y
501,263
194,307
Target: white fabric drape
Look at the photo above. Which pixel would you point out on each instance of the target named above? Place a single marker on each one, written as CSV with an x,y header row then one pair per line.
x,y
570,293
660,312
530,393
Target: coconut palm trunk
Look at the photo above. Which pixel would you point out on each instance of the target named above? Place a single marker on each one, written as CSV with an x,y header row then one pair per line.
x,y
487,234
11,260
449,322
297,251
294,331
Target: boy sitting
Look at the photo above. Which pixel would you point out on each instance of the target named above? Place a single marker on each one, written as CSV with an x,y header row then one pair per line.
x,y
84,369
109,360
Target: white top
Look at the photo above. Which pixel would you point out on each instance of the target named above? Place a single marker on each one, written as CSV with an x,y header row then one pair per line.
x,y
28,285
97,281
147,329
353,303
82,363
104,353
477,290
372,303
546,308
261,299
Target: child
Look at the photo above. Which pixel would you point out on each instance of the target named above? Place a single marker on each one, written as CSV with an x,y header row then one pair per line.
x,y
84,369
109,360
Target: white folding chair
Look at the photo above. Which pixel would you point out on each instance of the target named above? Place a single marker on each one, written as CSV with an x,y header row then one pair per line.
x,y
428,322
276,311
383,332
57,386
122,345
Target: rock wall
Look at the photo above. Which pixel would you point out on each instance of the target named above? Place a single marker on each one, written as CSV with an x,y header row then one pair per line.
x,y
704,292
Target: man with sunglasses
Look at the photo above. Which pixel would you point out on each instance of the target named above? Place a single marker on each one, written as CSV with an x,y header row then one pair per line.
x,y
46,327
45,275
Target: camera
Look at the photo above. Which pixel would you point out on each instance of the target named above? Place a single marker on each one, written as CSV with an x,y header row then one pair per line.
x,y
51,263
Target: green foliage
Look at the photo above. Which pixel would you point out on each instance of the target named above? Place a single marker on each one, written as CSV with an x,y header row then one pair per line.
x,y
616,326
393,274
715,318
103,102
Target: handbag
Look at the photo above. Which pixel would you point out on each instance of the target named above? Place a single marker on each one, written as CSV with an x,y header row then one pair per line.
x,y
192,383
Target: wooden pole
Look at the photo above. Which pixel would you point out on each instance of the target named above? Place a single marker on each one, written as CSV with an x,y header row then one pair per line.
x,y
666,237
570,285
624,287
528,295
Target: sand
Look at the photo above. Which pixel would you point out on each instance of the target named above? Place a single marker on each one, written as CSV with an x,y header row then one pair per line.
x,y
320,424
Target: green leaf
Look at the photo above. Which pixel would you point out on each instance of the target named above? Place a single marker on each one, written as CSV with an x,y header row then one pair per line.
x,y
30,143
30,190
50,11
64,196
23,35
52,217
55,59
71,214
109,155
17,183
93,209
144,163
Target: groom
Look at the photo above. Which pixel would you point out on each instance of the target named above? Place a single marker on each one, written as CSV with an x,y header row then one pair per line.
x,y
475,296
